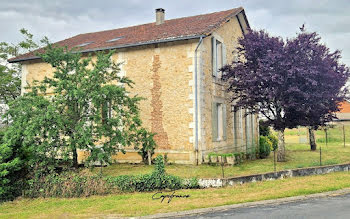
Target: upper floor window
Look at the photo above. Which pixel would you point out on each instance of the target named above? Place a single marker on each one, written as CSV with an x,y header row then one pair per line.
x,y
218,57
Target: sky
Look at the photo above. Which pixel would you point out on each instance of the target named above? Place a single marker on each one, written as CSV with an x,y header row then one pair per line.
x,y
60,19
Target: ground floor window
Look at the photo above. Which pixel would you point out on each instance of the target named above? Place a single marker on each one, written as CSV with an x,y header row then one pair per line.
x,y
219,121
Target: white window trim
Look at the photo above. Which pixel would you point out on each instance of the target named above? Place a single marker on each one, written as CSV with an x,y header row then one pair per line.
x,y
218,47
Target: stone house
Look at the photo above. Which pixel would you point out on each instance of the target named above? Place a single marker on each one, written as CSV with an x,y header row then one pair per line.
x,y
174,64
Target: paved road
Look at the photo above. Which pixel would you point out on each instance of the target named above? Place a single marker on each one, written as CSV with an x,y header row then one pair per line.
x,y
327,207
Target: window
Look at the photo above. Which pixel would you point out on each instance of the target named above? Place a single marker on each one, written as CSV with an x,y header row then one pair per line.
x,y
219,121
218,57
84,44
115,39
237,125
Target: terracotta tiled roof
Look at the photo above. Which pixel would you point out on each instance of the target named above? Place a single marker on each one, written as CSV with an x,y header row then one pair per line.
x,y
344,107
170,30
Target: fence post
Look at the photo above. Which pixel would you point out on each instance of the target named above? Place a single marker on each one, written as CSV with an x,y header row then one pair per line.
x,y
274,160
344,134
320,155
222,167
326,137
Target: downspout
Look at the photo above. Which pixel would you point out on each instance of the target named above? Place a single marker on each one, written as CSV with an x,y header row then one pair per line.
x,y
196,98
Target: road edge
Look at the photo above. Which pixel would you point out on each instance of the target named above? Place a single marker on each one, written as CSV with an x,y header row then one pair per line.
x,y
247,204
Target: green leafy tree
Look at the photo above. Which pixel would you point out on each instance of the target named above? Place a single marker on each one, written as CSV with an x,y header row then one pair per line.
x,y
10,74
85,105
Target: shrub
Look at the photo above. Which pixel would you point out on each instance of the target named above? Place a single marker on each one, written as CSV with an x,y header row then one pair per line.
x,y
157,180
192,183
147,144
264,129
239,157
67,185
264,147
274,142
12,171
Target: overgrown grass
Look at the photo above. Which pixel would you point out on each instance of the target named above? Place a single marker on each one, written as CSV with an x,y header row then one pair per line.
x,y
298,156
138,204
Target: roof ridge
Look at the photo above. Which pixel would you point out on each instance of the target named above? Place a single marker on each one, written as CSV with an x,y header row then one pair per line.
x,y
143,34
139,25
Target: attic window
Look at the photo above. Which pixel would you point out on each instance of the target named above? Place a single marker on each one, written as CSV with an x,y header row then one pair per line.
x,y
114,39
84,44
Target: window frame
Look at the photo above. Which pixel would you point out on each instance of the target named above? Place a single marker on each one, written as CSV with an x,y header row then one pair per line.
x,y
218,57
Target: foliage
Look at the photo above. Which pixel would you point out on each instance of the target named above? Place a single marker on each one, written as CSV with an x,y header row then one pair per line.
x,y
12,169
293,82
274,141
264,129
147,144
265,146
35,129
212,154
68,185
90,108
191,183
296,82
10,74
157,180
166,159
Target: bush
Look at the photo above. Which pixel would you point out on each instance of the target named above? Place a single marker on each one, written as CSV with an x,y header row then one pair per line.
x,y
147,144
157,180
12,171
274,142
68,185
192,183
264,147
239,157
264,129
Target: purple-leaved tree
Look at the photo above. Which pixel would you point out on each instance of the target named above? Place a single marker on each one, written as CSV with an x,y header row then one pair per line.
x,y
293,82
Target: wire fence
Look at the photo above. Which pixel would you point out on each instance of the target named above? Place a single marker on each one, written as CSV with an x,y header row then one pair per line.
x,y
336,133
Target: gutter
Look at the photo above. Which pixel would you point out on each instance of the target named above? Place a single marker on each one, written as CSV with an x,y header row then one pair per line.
x,y
196,97
120,46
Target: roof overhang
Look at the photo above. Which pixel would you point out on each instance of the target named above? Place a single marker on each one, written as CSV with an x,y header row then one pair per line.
x,y
120,46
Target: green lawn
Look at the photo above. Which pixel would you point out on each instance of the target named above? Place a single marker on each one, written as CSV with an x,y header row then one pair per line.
x,y
138,204
298,156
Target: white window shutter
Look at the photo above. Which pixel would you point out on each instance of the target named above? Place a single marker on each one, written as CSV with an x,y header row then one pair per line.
x,y
224,123
213,49
214,120
224,58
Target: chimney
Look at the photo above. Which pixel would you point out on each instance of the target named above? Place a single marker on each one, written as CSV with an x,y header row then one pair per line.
x,y
159,16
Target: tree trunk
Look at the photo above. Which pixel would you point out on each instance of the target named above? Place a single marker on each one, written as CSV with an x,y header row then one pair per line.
x,y
149,157
312,139
75,158
281,154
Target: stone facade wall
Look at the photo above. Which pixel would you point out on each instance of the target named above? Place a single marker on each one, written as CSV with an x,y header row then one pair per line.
x,y
164,75
245,137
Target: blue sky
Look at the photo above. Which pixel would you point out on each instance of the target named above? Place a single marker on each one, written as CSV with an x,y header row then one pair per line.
x,y
61,19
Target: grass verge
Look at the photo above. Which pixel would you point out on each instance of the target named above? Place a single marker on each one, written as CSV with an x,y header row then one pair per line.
x,y
298,156
138,204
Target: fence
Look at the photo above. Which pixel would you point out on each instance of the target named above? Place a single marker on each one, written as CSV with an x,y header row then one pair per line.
x,y
336,133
